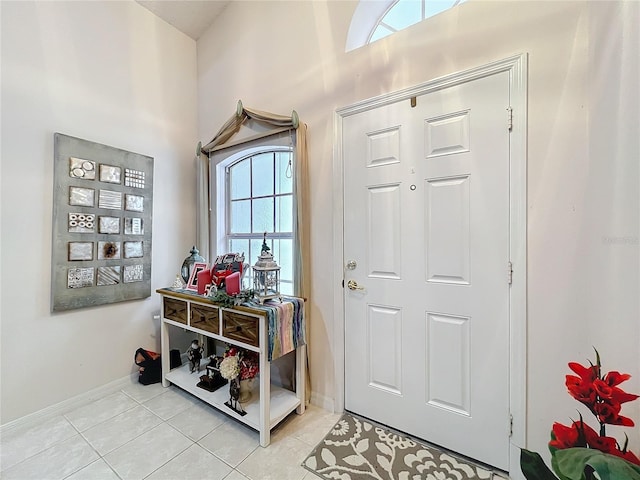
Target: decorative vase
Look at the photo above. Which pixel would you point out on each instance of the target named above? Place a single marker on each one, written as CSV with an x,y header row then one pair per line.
x,y
246,386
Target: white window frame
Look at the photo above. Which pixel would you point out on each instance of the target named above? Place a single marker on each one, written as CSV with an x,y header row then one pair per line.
x,y
219,160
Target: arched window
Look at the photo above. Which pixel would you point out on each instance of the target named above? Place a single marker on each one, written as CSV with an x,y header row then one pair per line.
x,y
253,194
268,152
373,20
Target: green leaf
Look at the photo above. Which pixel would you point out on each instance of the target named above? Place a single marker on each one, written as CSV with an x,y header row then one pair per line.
x,y
554,464
598,360
573,461
533,467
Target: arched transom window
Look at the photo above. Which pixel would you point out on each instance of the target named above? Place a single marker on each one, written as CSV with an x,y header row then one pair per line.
x,y
373,20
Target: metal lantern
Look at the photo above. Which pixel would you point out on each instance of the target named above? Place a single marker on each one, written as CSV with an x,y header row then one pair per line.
x,y
266,275
187,265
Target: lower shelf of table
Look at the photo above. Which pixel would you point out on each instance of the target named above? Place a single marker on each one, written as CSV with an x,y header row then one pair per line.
x,y
282,403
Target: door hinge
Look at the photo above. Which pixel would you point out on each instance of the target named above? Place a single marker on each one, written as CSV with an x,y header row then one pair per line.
x,y
510,272
510,425
509,118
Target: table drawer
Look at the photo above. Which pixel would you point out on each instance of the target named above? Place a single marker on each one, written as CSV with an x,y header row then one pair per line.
x,y
175,310
205,318
242,328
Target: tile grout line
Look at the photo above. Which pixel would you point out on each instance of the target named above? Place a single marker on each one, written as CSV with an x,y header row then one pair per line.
x,y
84,439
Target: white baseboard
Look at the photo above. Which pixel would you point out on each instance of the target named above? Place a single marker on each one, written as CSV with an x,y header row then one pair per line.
x,y
68,405
322,401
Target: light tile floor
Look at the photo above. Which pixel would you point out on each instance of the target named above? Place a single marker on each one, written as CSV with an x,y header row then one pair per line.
x,y
151,432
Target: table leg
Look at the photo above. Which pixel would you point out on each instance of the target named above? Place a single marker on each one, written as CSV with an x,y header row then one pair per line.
x,y
164,351
265,400
301,377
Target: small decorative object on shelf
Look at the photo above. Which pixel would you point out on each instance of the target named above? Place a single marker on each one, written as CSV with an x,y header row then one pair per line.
x,y
579,451
226,265
211,291
232,283
238,366
194,354
196,269
266,274
178,283
187,265
213,380
234,395
203,281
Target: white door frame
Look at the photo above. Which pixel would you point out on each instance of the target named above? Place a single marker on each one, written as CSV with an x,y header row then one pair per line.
x,y
517,68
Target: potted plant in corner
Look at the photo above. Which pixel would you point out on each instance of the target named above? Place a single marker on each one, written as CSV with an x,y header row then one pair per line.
x,y
579,452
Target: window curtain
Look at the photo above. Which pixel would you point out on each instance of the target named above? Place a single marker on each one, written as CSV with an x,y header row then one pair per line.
x,y
301,286
203,205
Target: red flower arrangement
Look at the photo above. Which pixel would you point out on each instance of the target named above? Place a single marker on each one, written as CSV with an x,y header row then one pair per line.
x,y
239,362
578,450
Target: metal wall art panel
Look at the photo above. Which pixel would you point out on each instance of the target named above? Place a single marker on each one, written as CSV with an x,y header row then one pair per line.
x,y
102,217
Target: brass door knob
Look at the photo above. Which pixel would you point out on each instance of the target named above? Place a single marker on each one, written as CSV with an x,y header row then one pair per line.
x,y
353,285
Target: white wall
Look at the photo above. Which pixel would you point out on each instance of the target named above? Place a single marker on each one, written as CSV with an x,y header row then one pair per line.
x,y
583,204
112,73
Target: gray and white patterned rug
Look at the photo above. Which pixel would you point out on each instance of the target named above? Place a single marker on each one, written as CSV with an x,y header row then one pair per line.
x,y
356,449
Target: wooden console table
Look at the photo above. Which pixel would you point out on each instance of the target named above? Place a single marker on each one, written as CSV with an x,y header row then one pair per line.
x,y
243,326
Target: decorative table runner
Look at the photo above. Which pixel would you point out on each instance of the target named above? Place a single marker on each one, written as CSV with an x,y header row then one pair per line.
x,y
286,325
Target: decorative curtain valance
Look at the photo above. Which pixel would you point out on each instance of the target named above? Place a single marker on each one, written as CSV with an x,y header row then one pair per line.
x,y
232,126
300,185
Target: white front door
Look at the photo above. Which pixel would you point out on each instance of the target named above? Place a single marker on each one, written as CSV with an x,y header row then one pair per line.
x,y
426,241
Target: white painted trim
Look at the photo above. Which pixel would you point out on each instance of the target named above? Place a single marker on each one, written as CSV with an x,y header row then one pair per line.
x,y
364,19
517,68
68,405
338,264
518,248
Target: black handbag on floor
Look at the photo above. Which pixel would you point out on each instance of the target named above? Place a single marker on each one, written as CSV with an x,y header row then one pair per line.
x,y
150,366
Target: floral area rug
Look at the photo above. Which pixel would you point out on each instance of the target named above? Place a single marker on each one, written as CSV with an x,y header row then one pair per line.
x,y
356,449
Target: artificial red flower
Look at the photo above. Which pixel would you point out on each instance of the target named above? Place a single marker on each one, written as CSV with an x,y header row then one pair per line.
x,y
604,398
566,437
249,365
248,361
628,456
602,443
603,389
586,430
620,396
587,374
615,378
608,413
581,390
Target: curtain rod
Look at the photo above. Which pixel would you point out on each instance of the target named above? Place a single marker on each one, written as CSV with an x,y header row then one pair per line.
x,y
257,136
